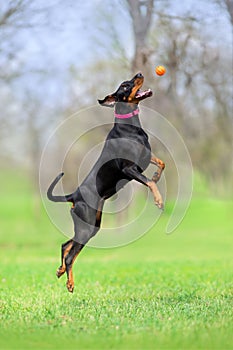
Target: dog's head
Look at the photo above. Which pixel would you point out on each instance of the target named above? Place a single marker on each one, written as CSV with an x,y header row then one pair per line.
x,y
128,92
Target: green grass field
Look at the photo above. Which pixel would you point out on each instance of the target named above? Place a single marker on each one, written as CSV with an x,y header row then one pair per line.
x,y
161,292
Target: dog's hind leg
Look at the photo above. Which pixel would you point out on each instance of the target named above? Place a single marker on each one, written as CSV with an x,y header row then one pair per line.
x,y
69,260
99,213
65,248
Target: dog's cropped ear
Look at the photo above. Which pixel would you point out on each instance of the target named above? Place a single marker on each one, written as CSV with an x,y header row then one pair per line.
x,y
108,101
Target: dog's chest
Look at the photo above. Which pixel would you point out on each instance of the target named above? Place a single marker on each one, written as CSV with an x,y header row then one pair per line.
x,y
130,143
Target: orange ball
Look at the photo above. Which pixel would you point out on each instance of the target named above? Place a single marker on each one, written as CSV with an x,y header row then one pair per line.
x,y
160,70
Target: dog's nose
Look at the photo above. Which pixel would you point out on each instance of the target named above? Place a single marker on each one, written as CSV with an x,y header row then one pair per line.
x,y
139,75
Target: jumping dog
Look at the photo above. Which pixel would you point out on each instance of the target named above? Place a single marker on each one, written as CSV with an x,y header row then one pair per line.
x,y
125,155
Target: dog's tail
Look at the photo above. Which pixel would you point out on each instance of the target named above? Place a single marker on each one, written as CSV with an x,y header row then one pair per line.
x,y
66,198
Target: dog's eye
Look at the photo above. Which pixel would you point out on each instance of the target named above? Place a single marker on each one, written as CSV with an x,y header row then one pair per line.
x,y
125,88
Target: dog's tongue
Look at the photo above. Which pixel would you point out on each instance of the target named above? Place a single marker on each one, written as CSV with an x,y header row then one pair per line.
x,y
141,93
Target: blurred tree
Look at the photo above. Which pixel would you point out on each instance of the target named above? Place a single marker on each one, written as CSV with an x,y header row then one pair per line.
x,y
22,128
11,13
15,16
141,12
198,95
229,7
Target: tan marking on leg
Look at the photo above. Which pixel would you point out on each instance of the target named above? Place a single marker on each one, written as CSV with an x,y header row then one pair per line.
x,y
62,269
161,165
70,280
158,162
99,212
98,215
157,196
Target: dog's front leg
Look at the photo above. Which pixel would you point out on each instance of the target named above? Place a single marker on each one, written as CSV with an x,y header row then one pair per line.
x,y
132,173
161,165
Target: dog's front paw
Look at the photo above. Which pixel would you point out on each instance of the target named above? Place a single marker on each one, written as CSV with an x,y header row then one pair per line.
x,y
157,196
159,202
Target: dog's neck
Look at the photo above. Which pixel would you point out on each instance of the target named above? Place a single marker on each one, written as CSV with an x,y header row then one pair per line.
x,y
127,114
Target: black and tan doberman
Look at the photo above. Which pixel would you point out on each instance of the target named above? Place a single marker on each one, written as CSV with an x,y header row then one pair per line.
x,y
125,155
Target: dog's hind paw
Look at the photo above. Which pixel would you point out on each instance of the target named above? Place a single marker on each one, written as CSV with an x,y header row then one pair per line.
x,y
70,286
60,271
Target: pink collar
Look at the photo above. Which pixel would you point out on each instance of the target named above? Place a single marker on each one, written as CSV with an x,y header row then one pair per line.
x,y
129,115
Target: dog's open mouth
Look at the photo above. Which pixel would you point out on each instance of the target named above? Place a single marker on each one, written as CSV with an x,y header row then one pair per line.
x,y
143,94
